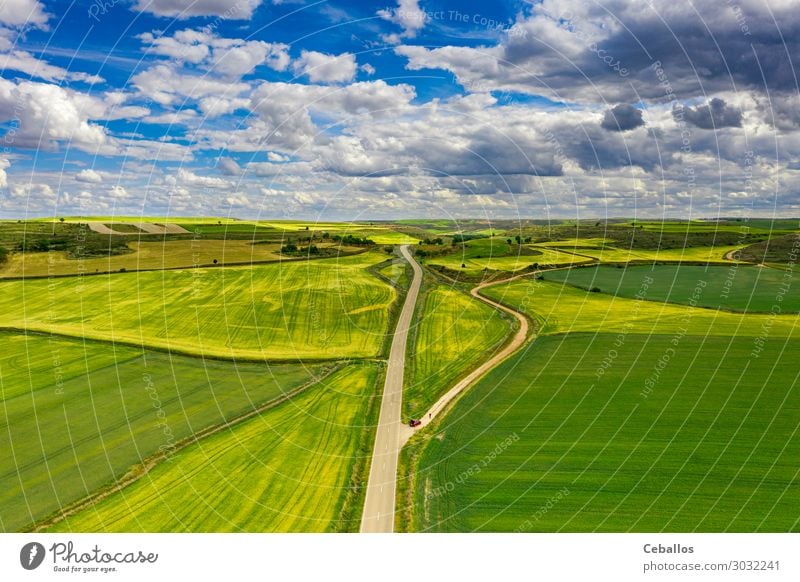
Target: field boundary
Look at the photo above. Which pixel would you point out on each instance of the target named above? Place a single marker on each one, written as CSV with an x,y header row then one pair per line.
x,y
139,470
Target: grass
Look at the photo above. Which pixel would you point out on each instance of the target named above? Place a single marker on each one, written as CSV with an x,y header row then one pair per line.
x,y
288,469
738,288
326,309
560,308
77,416
454,334
542,444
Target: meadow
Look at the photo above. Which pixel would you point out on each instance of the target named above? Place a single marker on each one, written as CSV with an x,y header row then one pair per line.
x,y
77,416
453,335
298,467
698,436
738,288
314,309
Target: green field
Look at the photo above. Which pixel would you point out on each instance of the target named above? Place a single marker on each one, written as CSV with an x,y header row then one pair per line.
x,y
322,309
454,334
542,444
560,308
738,288
291,468
77,416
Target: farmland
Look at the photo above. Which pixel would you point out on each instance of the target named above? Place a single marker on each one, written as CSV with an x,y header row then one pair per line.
x,y
291,468
454,333
99,411
711,446
228,379
742,288
323,309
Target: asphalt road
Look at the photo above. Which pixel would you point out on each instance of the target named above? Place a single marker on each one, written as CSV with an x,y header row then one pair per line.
x,y
378,516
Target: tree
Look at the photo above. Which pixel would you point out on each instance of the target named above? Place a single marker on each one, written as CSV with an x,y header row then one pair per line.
x,y
508,240
518,239
61,219
215,261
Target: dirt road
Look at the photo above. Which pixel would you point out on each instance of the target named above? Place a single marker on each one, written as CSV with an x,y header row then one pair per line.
x,y
519,338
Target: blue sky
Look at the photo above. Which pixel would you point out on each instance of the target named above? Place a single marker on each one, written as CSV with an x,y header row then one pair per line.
x,y
404,108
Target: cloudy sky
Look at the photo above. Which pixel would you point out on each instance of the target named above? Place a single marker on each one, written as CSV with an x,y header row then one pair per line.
x,y
405,108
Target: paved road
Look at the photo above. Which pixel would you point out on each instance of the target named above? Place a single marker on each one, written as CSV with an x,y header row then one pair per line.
x,y
378,516
407,432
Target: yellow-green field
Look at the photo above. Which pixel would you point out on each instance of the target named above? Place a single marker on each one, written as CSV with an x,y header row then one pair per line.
x,y
289,469
78,416
454,334
145,255
322,309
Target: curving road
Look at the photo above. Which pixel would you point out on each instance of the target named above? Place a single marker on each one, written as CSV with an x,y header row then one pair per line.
x,y
519,338
378,515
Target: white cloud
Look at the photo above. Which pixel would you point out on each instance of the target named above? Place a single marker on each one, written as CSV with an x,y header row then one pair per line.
x,y
190,178
19,13
226,57
118,192
88,176
4,165
408,15
182,9
26,63
324,68
166,86
47,114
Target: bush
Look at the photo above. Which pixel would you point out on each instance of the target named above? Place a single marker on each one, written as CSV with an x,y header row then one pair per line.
x,y
595,290
3,255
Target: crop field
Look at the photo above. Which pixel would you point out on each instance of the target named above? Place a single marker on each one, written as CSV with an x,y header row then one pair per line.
x,y
454,334
739,288
77,416
291,468
497,255
542,444
322,309
560,308
168,254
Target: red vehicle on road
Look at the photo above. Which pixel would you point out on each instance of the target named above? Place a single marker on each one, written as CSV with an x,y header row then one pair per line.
x,y
414,422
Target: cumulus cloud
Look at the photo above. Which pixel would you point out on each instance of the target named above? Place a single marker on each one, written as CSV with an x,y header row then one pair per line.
x,y
189,178
88,176
622,118
182,9
227,57
408,16
323,68
18,13
715,114
617,51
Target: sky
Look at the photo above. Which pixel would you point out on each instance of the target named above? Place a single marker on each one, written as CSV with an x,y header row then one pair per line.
x,y
355,110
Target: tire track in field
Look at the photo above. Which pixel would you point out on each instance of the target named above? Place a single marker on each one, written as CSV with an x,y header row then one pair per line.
x,y
148,464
